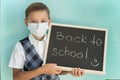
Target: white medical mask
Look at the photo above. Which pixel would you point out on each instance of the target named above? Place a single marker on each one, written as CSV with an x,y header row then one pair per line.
x,y
38,29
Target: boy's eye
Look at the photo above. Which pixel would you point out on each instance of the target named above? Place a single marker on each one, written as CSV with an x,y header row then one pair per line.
x,y
34,21
43,21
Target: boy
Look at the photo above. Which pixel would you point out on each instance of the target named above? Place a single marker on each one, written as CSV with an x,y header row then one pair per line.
x,y
27,56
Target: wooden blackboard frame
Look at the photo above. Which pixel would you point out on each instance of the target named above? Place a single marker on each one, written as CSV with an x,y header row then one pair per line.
x,y
82,27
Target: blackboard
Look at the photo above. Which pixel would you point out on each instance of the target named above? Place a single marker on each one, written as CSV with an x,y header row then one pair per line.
x,y
72,46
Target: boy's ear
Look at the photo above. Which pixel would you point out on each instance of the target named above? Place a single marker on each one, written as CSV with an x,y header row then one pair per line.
x,y
25,20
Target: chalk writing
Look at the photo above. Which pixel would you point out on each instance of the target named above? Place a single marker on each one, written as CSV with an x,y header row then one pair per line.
x,y
79,39
95,63
97,42
67,52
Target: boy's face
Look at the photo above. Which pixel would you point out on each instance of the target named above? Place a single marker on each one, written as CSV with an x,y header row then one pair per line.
x,y
38,17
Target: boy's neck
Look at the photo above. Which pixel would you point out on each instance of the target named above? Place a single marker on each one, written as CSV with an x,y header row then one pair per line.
x,y
38,38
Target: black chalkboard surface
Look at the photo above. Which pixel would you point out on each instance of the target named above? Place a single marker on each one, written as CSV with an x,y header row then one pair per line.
x,y
76,46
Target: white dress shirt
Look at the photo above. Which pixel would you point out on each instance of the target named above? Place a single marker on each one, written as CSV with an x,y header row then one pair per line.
x,y
18,55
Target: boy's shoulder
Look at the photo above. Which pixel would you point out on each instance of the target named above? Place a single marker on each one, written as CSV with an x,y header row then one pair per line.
x,y
24,39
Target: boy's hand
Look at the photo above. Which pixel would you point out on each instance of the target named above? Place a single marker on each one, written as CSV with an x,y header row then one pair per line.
x,y
51,69
77,72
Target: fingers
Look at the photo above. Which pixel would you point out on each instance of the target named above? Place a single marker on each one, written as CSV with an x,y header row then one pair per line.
x,y
52,68
82,72
77,72
57,71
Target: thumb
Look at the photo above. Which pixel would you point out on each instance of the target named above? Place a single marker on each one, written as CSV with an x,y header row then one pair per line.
x,y
52,64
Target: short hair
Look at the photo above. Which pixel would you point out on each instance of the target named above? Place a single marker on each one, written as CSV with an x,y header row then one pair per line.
x,y
36,7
